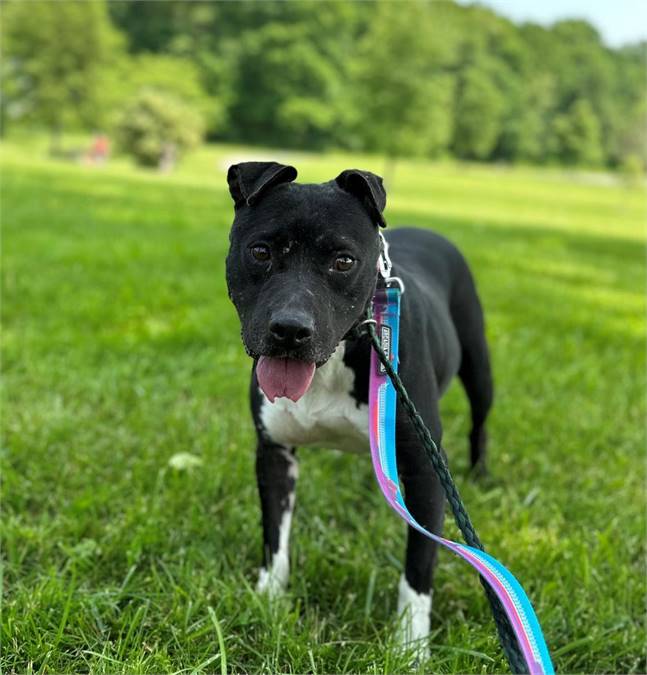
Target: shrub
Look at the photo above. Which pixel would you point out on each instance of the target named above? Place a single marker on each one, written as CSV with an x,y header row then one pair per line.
x,y
156,129
632,169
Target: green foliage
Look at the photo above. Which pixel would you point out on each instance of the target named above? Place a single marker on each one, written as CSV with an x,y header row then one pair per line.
x,y
286,89
155,127
577,135
410,78
149,26
56,63
168,75
479,111
628,137
127,352
633,169
525,124
405,104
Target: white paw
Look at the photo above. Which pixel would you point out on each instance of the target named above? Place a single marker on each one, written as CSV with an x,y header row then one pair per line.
x,y
273,581
414,617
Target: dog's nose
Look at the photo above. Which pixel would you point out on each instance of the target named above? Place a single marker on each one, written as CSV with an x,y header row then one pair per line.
x,y
291,330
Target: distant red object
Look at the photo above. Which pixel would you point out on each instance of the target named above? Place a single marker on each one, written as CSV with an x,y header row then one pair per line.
x,y
99,150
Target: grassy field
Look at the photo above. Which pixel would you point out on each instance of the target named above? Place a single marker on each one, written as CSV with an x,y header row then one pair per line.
x,y
121,350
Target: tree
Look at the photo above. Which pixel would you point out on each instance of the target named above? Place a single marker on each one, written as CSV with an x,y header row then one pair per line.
x,y
577,135
164,37
286,90
56,57
526,119
167,75
230,42
479,114
627,141
404,89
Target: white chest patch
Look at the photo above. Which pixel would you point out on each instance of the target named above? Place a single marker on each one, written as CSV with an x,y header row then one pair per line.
x,y
325,415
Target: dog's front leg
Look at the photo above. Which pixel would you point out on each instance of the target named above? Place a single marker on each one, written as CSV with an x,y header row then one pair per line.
x,y
425,499
276,474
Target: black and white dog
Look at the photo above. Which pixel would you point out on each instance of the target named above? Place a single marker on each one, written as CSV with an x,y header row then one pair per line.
x,y
301,271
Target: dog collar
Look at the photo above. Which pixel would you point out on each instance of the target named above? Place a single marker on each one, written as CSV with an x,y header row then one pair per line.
x,y
382,408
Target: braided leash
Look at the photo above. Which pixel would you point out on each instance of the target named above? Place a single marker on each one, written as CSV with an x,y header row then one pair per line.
x,y
506,634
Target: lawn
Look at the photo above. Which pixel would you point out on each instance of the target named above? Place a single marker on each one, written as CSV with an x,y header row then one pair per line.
x,y
121,350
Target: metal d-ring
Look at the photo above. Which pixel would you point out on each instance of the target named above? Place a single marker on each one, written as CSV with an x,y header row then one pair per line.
x,y
395,280
362,323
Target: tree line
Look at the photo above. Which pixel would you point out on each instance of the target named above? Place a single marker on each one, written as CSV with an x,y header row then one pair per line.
x,y
414,78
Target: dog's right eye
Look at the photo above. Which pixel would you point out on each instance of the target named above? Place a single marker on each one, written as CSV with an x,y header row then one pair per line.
x,y
260,253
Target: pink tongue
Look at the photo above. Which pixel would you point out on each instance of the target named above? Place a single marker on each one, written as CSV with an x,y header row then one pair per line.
x,y
284,377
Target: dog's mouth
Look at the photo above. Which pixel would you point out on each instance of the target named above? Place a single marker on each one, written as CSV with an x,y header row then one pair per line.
x,y
284,377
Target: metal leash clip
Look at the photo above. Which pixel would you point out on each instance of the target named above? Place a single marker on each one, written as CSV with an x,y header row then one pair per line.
x,y
385,265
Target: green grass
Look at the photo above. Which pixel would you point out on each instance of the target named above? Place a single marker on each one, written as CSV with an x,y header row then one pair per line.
x,y
121,350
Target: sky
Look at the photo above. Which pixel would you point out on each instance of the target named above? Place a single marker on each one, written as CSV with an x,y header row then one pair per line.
x,y
617,21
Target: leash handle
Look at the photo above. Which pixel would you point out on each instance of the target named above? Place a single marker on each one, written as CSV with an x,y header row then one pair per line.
x,y
517,624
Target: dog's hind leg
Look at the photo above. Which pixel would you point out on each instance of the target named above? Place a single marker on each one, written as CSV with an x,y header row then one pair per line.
x,y
276,475
476,377
474,372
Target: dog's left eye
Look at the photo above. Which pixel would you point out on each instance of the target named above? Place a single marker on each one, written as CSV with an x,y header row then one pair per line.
x,y
260,253
343,263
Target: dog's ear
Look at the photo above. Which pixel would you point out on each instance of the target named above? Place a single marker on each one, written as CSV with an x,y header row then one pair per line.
x,y
368,188
248,181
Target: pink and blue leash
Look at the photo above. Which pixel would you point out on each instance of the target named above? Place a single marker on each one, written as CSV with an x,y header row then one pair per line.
x,y
530,653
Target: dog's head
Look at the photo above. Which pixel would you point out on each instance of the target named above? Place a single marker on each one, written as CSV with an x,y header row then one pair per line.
x,y
302,266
